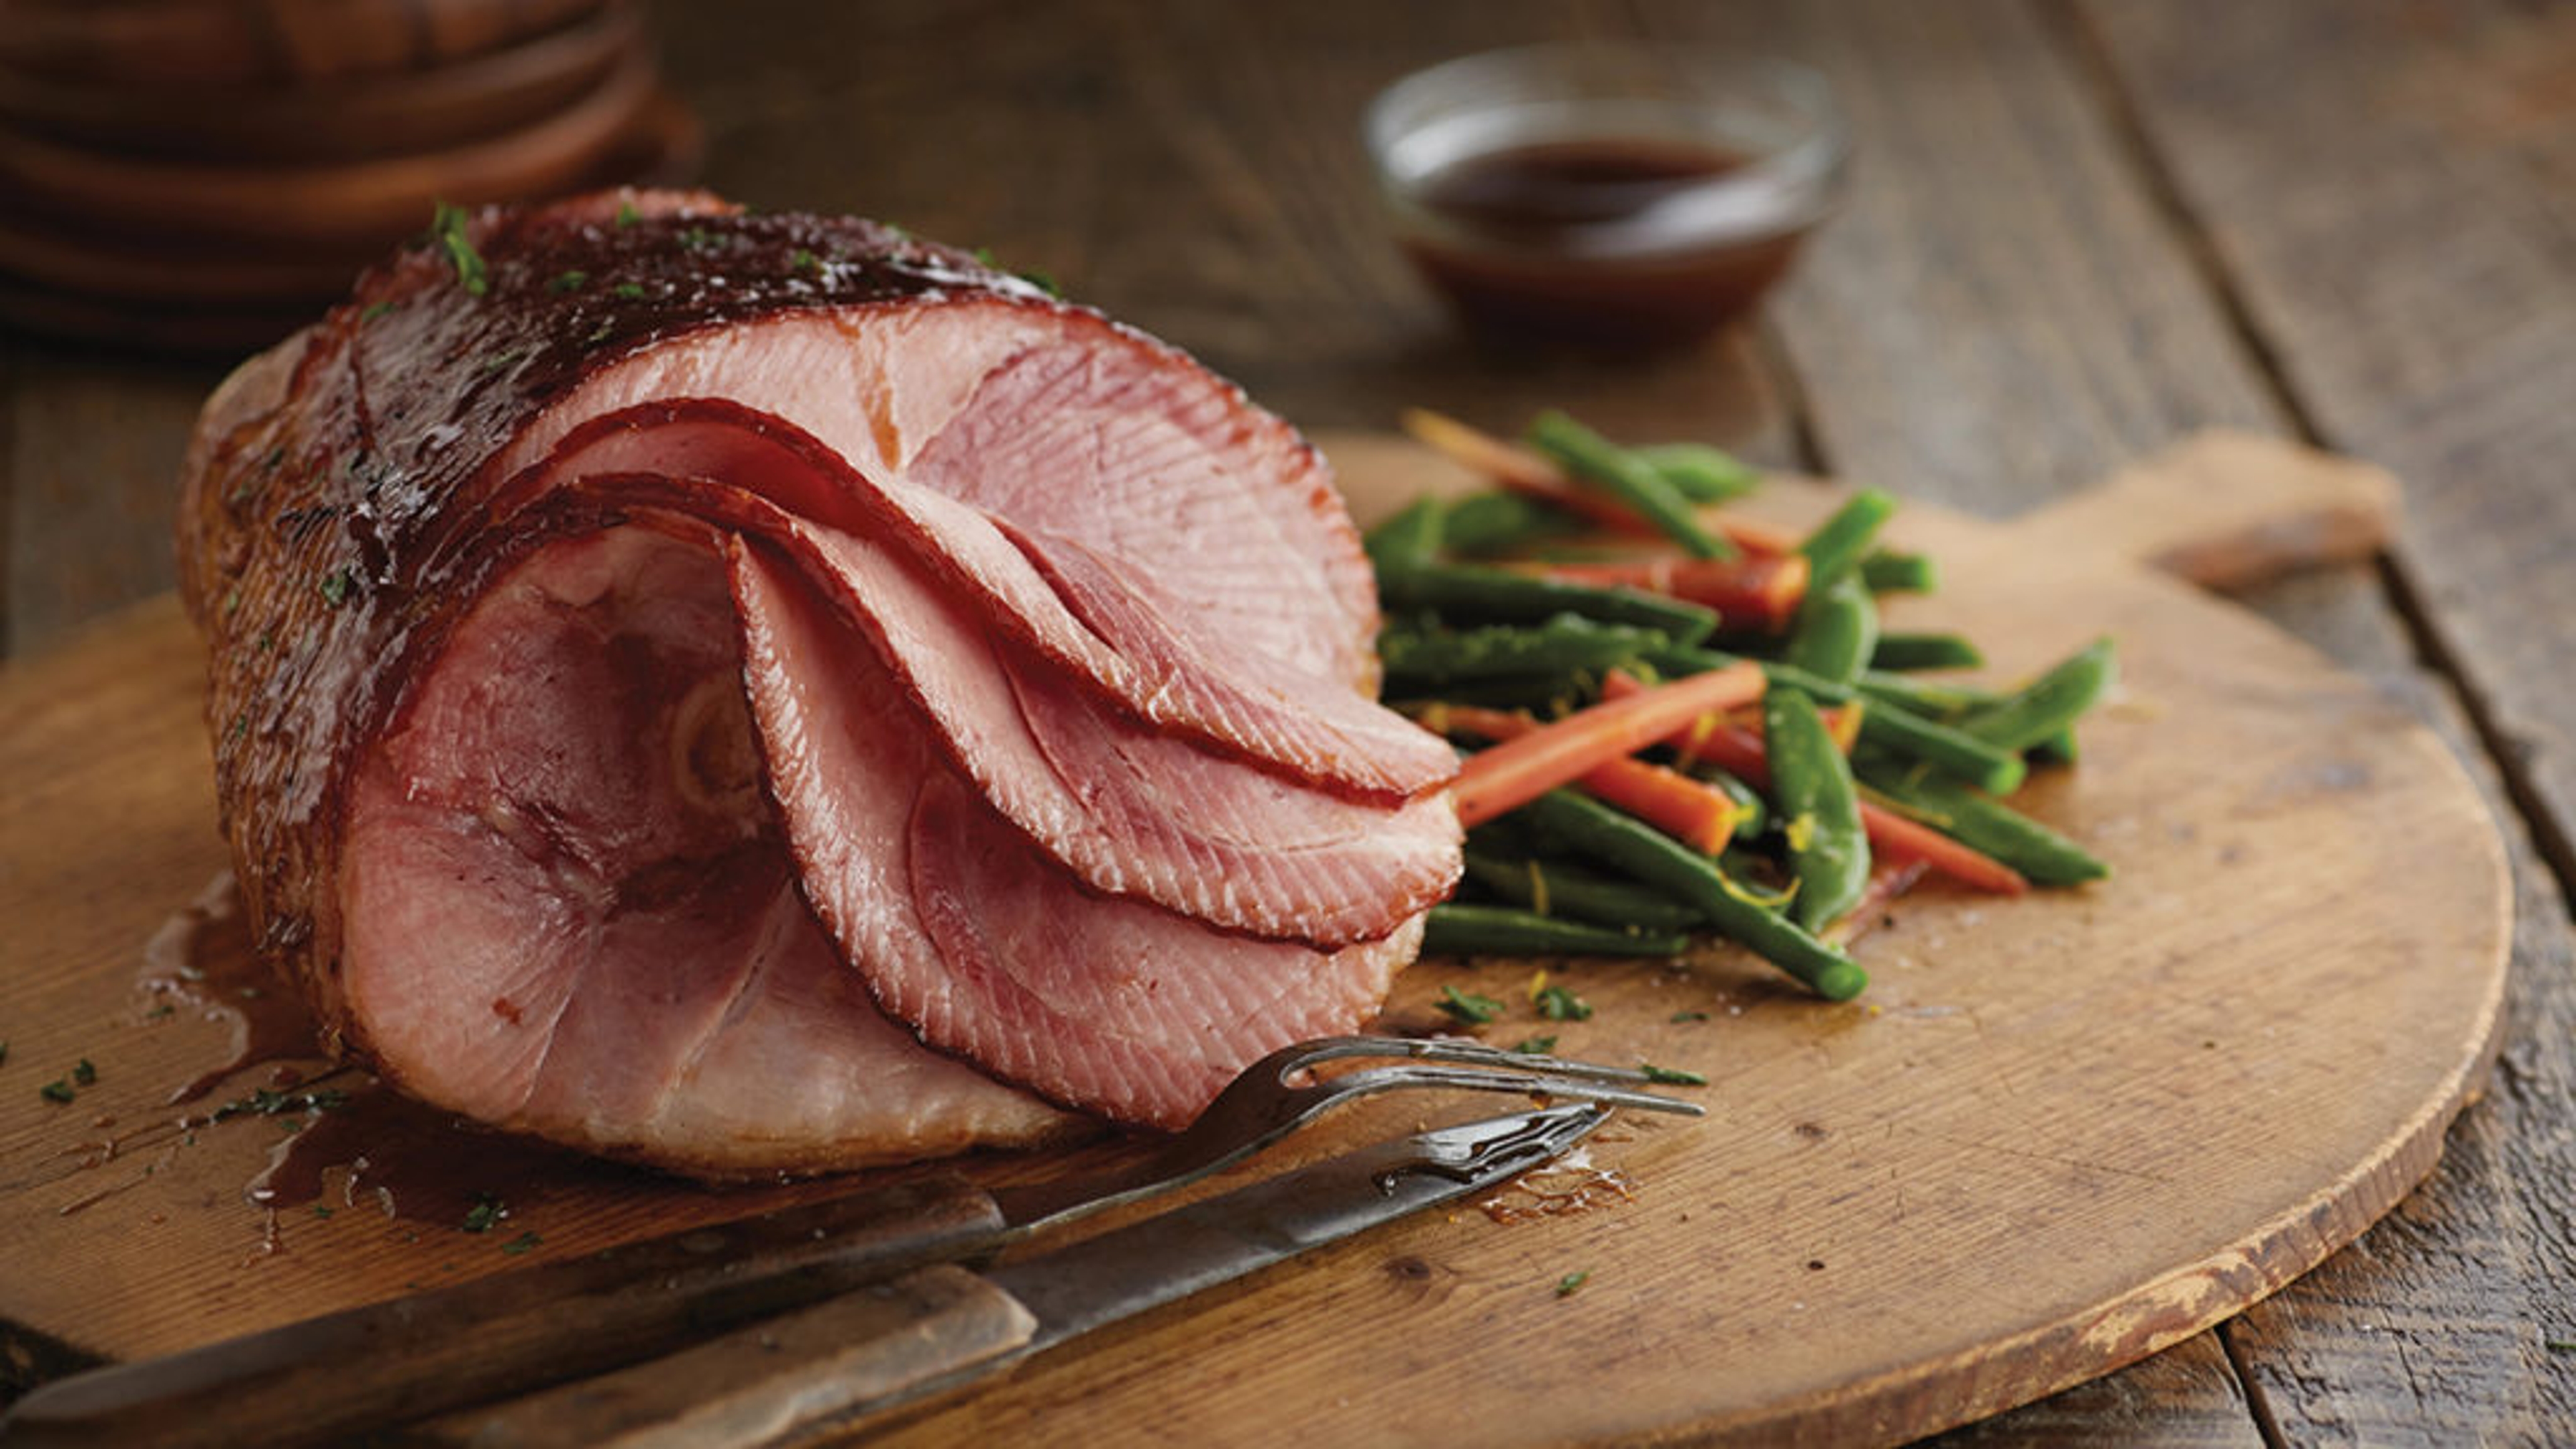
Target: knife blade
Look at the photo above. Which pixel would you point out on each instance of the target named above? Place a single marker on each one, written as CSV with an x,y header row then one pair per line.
x,y
890,1349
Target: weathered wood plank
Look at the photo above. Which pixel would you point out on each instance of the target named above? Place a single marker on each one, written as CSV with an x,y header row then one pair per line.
x,y
1196,170
2437,1327
1999,315
89,477
2001,303
2391,183
2388,184
2186,1397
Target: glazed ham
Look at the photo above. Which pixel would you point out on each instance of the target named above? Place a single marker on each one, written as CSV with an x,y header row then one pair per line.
x,y
764,693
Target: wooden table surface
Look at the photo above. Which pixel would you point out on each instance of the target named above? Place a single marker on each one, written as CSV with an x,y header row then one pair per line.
x,y
2076,232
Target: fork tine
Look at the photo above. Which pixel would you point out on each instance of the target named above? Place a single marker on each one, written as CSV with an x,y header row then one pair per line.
x,y
1264,1103
1464,1078
1453,1049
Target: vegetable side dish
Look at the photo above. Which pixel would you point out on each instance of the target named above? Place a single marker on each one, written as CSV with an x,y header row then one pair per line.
x,y
1703,729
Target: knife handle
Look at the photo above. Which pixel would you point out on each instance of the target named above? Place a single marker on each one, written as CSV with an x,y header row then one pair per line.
x,y
320,1380
849,1363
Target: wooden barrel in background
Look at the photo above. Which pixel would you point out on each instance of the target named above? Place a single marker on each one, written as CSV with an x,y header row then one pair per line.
x,y
204,175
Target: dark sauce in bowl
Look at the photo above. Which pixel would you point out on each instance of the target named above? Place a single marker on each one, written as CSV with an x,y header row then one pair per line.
x,y
1516,253
1605,195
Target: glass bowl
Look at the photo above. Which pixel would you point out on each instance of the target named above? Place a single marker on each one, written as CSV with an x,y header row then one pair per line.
x,y
1606,192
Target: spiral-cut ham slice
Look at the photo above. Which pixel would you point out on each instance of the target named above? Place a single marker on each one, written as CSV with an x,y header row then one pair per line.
x,y
765,693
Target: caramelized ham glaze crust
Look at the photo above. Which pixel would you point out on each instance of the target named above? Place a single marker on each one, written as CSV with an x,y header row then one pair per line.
x,y
764,693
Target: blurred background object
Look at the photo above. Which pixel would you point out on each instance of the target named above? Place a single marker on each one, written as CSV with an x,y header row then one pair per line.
x,y
1606,192
205,175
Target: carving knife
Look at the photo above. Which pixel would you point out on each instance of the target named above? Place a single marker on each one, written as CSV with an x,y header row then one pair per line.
x,y
883,1351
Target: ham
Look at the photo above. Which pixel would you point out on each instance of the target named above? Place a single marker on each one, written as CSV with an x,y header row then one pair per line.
x,y
759,694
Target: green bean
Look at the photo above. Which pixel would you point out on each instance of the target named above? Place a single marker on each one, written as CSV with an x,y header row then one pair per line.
x,y
1886,724
1562,888
1924,651
1982,823
1563,644
1811,787
1700,473
2048,704
1839,543
1482,525
1407,539
1647,854
1940,699
1455,928
1752,812
1836,630
1467,593
1901,731
1627,477
1887,571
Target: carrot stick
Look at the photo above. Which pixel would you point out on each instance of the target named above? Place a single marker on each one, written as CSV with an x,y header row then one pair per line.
x,y
1517,771
1758,539
1693,812
1524,472
1760,590
1741,754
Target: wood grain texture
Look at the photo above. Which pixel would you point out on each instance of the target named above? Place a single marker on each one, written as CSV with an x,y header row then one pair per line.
x,y
1998,316
2003,312
1194,169
2405,260
89,475
2409,263
2059,1135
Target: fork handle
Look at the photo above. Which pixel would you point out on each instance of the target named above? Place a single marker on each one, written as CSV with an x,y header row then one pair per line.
x,y
853,1363
322,1379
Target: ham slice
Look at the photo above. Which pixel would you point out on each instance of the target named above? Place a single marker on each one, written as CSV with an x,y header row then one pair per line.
x,y
755,694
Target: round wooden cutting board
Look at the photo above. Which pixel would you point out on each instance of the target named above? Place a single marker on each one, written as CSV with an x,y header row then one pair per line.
x,y
2057,1134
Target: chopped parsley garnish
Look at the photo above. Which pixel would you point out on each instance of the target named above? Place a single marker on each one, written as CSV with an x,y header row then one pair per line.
x,y
1566,1285
376,310
629,291
520,1244
1467,1006
1681,1016
699,239
1032,276
801,260
56,1091
486,1212
161,1012
322,1210
1671,1076
1558,1004
336,585
1536,1046
571,281
626,216
447,226
85,1074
